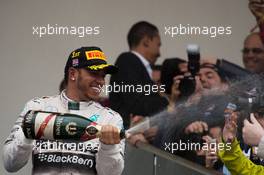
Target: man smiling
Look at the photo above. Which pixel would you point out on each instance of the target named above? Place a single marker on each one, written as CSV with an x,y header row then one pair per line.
x,y
84,75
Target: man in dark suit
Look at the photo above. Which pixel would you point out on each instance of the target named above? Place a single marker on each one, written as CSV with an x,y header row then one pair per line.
x,y
135,71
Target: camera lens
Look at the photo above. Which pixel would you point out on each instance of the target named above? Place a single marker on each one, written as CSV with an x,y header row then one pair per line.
x,y
187,86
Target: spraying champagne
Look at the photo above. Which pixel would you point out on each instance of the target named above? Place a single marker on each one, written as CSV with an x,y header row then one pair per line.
x,y
65,126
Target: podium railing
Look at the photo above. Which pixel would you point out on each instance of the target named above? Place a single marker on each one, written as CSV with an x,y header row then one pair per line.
x,y
149,160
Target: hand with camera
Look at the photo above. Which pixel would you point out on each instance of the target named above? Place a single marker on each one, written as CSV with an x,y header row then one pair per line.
x,y
188,83
175,92
197,94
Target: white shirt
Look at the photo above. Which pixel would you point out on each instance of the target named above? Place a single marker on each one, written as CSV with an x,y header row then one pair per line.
x,y
145,63
66,160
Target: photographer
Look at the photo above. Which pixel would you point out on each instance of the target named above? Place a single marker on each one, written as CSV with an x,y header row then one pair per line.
x,y
171,68
209,77
186,125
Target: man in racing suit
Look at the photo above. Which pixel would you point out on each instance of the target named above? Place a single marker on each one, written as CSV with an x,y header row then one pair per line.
x,y
84,75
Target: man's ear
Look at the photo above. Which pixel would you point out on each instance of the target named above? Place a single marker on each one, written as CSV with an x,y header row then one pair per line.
x,y
73,74
145,41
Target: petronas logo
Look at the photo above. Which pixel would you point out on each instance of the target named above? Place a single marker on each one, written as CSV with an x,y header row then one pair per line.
x,y
71,128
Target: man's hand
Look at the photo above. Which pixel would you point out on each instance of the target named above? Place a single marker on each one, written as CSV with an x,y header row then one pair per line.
x,y
196,96
109,135
150,133
134,139
252,132
211,152
135,119
230,128
196,127
175,92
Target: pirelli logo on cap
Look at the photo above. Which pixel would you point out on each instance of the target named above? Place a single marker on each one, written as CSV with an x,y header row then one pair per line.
x,y
95,54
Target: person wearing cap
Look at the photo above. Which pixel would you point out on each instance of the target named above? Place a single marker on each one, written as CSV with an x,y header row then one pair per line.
x,y
212,77
206,110
209,77
84,75
135,71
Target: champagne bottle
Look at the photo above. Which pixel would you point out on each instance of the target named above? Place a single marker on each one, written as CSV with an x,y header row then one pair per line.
x,y
60,126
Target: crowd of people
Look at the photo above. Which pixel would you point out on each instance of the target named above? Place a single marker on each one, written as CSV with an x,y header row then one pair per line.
x,y
214,76
205,115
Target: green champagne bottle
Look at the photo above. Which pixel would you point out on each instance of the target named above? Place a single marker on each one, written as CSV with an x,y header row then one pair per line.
x,y
60,126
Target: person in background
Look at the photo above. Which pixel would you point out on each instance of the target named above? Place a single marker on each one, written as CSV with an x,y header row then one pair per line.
x,y
233,158
172,67
253,134
253,53
156,73
209,79
135,71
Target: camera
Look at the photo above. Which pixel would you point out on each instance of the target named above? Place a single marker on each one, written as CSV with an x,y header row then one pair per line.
x,y
252,101
188,84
